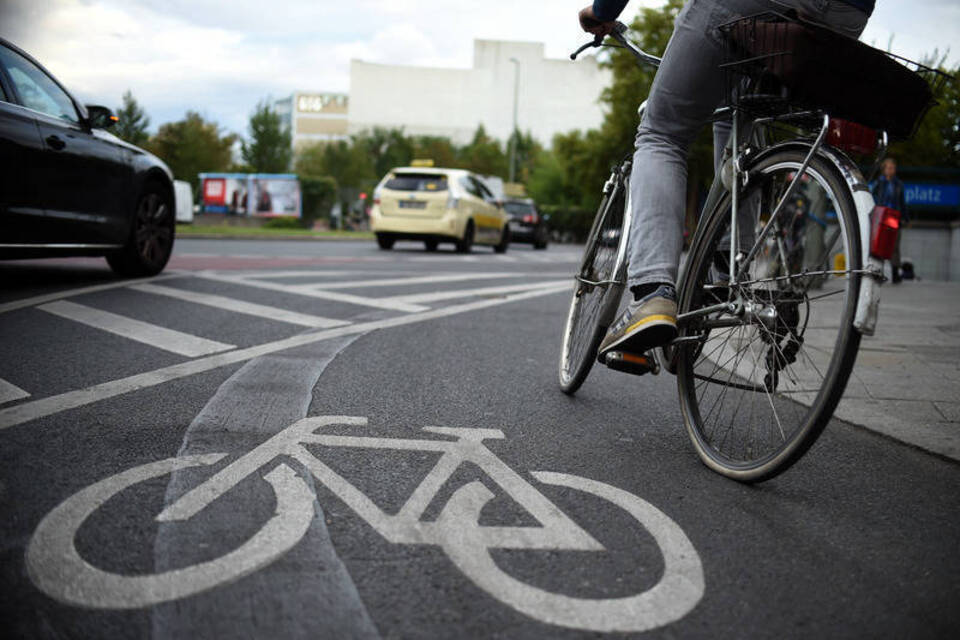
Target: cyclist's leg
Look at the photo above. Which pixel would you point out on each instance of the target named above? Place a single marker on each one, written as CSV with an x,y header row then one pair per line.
x,y
687,88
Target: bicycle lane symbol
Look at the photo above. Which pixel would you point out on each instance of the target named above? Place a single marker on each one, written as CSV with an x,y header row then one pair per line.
x,y
57,568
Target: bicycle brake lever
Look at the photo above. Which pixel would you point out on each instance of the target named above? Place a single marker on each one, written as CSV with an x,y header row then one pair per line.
x,y
596,42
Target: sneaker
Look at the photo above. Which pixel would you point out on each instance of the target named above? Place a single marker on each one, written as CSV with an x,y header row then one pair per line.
x,y
646,323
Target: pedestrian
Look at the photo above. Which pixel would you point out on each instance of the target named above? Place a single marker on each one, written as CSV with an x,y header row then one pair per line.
x,y
888,191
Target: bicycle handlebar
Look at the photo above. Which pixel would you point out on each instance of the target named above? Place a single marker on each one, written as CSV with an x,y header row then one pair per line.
x,y
617,34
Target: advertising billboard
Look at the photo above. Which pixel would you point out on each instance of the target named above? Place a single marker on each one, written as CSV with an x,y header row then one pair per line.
x,y
251,194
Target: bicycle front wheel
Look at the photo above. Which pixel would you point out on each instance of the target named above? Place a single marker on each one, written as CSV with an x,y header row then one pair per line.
x,y
596,292
759,381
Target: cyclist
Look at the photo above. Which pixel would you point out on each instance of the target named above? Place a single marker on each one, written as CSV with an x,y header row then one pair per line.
x,y
686,90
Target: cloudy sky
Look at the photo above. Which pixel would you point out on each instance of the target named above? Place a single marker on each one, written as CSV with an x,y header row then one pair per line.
x,y
220,58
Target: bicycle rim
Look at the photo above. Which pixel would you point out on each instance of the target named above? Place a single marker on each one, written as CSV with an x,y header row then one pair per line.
x,y
758,388
592,305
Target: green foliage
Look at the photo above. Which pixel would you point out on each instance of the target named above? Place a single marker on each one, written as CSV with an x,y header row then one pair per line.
x,y
528,153
282,222
484,155
569,221
937,140
132,121
317,195
441,150
191,146
268,150
348,163
386,148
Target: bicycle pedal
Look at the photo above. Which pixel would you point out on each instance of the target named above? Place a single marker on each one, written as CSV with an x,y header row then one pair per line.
x,y
638,365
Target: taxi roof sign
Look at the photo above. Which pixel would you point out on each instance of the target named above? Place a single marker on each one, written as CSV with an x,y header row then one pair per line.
x,y
421,162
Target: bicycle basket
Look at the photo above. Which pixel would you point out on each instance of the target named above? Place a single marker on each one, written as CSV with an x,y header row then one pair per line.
x,y
778,61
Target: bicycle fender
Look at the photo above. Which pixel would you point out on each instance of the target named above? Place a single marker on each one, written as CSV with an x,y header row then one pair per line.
x,y
868,298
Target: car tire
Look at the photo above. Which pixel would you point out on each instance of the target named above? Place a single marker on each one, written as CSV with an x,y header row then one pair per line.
x,y
501,247
465,244
152,231
385,241
430,245
540,242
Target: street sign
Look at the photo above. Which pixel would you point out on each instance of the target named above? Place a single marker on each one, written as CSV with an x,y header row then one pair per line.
x,y
932,195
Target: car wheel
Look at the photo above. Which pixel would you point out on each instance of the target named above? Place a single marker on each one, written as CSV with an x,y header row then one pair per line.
x,y
465,244
541,241
151,235
431,245
501,247
385,242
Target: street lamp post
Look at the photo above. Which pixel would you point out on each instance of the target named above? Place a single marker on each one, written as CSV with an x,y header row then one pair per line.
x,y
513,133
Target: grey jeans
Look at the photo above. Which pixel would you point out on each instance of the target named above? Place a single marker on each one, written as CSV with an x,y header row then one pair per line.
x,y
686,90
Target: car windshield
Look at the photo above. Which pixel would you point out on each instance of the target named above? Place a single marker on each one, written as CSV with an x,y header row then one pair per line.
x,y
519,208
417,182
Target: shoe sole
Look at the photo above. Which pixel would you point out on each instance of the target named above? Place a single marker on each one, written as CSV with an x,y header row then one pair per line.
x,y
651,333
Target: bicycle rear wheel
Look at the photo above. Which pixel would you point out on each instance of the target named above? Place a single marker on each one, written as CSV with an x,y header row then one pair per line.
x,y
759,384
593,305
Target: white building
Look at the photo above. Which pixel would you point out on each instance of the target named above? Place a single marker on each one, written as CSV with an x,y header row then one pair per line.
x,y
554,95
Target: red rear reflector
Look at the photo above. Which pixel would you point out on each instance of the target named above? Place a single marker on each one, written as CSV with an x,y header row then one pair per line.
x,y
851,137
886,225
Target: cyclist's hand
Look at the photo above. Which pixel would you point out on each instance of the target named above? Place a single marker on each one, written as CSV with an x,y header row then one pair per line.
x,y
590,23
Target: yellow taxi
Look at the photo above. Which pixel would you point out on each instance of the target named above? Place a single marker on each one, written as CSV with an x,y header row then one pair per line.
x,y
435,205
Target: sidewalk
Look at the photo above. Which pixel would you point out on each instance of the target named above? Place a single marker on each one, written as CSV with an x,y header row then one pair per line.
x,y
906,383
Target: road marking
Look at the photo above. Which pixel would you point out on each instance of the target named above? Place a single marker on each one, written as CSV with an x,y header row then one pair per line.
x,y
183,344
485,291
240,306
50,297
10,392
399,282
308,291
42,407
261,274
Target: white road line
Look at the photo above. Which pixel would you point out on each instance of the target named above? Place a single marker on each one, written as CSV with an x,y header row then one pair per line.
x,y
308,291
399,282
151,334
42,407
49,297
485,291
240,306
261,274
10,392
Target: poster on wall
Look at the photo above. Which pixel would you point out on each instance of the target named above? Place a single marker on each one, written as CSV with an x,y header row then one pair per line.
x,y
251,194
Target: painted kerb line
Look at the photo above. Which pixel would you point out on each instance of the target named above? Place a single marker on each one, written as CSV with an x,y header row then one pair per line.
x,y
43,407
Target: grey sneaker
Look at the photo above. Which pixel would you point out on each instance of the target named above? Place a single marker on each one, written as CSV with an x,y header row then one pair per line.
x,y
646,323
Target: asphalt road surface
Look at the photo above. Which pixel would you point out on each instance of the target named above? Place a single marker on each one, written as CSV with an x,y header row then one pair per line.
x,y
324,440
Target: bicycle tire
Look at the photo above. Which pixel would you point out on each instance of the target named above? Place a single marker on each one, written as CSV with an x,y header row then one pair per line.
x,y
715,446
592,308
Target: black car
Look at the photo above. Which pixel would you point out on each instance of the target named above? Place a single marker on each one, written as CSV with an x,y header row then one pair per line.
x,y
67,186
526,223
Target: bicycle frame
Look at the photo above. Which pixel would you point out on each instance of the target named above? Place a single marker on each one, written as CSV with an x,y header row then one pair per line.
x,y
868,300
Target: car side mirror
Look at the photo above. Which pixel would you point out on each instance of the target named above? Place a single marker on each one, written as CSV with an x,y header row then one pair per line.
x,y
100,117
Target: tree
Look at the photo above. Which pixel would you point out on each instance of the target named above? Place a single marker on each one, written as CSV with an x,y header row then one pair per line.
x,y
528,152
132,121
440,150
937,140
483,155
387,148
191,146
269,148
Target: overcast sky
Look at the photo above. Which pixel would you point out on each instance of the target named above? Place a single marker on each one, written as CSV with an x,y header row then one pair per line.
x,y
220,58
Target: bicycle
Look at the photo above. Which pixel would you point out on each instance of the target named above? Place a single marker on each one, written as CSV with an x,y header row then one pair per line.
x,y
761,362
57,568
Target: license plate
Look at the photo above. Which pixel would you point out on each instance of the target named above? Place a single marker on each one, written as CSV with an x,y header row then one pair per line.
x,y
413,204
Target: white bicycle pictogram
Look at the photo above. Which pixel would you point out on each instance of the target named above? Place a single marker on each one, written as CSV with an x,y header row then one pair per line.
x,y
57,568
